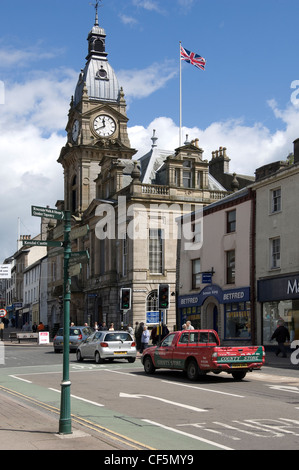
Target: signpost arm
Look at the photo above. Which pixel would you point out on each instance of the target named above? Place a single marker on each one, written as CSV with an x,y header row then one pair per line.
x,y
65,424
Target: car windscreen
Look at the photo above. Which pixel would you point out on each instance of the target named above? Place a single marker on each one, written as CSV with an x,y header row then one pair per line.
x,y
118,337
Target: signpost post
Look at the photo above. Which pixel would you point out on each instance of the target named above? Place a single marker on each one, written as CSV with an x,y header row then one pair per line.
x,y
65,423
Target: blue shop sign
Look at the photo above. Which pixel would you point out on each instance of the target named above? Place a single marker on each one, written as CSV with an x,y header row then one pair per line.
x,y
222,296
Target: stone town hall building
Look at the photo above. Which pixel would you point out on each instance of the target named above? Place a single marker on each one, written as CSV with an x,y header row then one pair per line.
x,y
129,205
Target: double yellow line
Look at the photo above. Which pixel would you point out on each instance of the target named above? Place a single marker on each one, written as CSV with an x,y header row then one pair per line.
x,y
124,440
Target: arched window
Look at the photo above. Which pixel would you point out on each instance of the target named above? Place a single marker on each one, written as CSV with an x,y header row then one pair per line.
x,y
152,301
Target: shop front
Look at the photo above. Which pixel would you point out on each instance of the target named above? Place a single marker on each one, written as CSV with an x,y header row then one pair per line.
x,y
279,299
226,311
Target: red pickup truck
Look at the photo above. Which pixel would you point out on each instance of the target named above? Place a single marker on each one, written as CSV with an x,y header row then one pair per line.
x,y
198,352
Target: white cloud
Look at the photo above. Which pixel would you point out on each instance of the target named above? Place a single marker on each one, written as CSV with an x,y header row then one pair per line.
x,y
248,147
142,83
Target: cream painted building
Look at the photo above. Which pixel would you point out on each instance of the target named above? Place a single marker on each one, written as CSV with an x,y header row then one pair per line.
x,y
214,275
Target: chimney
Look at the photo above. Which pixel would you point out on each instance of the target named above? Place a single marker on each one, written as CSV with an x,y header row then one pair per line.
x,y
296,151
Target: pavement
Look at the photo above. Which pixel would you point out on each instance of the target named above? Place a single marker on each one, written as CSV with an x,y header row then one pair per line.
x,y
26,424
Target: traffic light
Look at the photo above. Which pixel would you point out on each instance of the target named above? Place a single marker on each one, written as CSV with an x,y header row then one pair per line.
x,y
163,296
125,298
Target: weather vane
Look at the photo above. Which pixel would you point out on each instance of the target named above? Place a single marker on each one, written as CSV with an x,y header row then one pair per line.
x,y
96,5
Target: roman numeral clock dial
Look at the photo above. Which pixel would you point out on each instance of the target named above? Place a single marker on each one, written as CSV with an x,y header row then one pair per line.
x,y
104,125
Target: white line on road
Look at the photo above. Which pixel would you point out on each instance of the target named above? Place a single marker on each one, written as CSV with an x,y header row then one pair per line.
x,y
181,405
204,389
192,436
79,398
18,378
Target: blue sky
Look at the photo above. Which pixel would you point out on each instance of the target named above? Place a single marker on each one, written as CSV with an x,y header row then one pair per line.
x,y
243,100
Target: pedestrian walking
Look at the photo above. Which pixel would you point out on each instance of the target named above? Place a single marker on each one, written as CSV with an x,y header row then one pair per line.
x,y
144,338
189,326
281,334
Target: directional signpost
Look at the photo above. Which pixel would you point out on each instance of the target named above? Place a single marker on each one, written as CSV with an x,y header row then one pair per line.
x,y
42,243
71,267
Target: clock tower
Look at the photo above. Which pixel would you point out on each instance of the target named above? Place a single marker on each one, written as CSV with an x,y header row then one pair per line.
x,y
97,125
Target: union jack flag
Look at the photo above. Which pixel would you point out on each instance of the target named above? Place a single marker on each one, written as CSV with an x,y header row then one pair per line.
x,y
193,58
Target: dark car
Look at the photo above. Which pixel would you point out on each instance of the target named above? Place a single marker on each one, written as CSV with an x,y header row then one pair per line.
x,y
77,334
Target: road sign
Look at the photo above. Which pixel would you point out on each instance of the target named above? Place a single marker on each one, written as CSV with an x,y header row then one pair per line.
x,y
79,232
206,278
79,257
3,312
5,271
47,212
42,243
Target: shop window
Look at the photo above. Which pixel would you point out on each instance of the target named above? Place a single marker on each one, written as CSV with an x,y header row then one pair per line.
x,y
286,310
237,320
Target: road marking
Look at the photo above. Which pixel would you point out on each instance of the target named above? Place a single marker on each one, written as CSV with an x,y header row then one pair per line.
x,y
284,388
79,398
204,389
181,405
18,378
192,436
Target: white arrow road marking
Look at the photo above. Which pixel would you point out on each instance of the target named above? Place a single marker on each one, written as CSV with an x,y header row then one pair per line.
x,y
181,405
204,389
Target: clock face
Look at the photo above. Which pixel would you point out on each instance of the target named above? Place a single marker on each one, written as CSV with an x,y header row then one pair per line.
x,y
75,130
104,125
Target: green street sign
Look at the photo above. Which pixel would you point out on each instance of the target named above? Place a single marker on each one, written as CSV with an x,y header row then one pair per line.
x,y
47,212
79,257
41,243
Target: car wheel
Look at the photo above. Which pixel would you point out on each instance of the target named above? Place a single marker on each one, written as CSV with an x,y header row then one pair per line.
x,y
192,370
131,359
79,355
148,365
239,374
98,358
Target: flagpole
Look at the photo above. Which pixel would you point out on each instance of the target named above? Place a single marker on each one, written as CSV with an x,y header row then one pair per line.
x,y
180,137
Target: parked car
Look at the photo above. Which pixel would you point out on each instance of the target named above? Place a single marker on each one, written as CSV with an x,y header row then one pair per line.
x,y
107,345
77,334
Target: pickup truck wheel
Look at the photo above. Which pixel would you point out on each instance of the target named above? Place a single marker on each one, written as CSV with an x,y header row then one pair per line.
x,y
148,365
239,374
192,370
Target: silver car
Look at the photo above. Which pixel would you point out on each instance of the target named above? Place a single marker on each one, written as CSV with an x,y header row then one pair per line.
x,y
107,345
77,334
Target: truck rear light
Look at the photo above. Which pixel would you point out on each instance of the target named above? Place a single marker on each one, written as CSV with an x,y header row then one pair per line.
x,y
104,345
